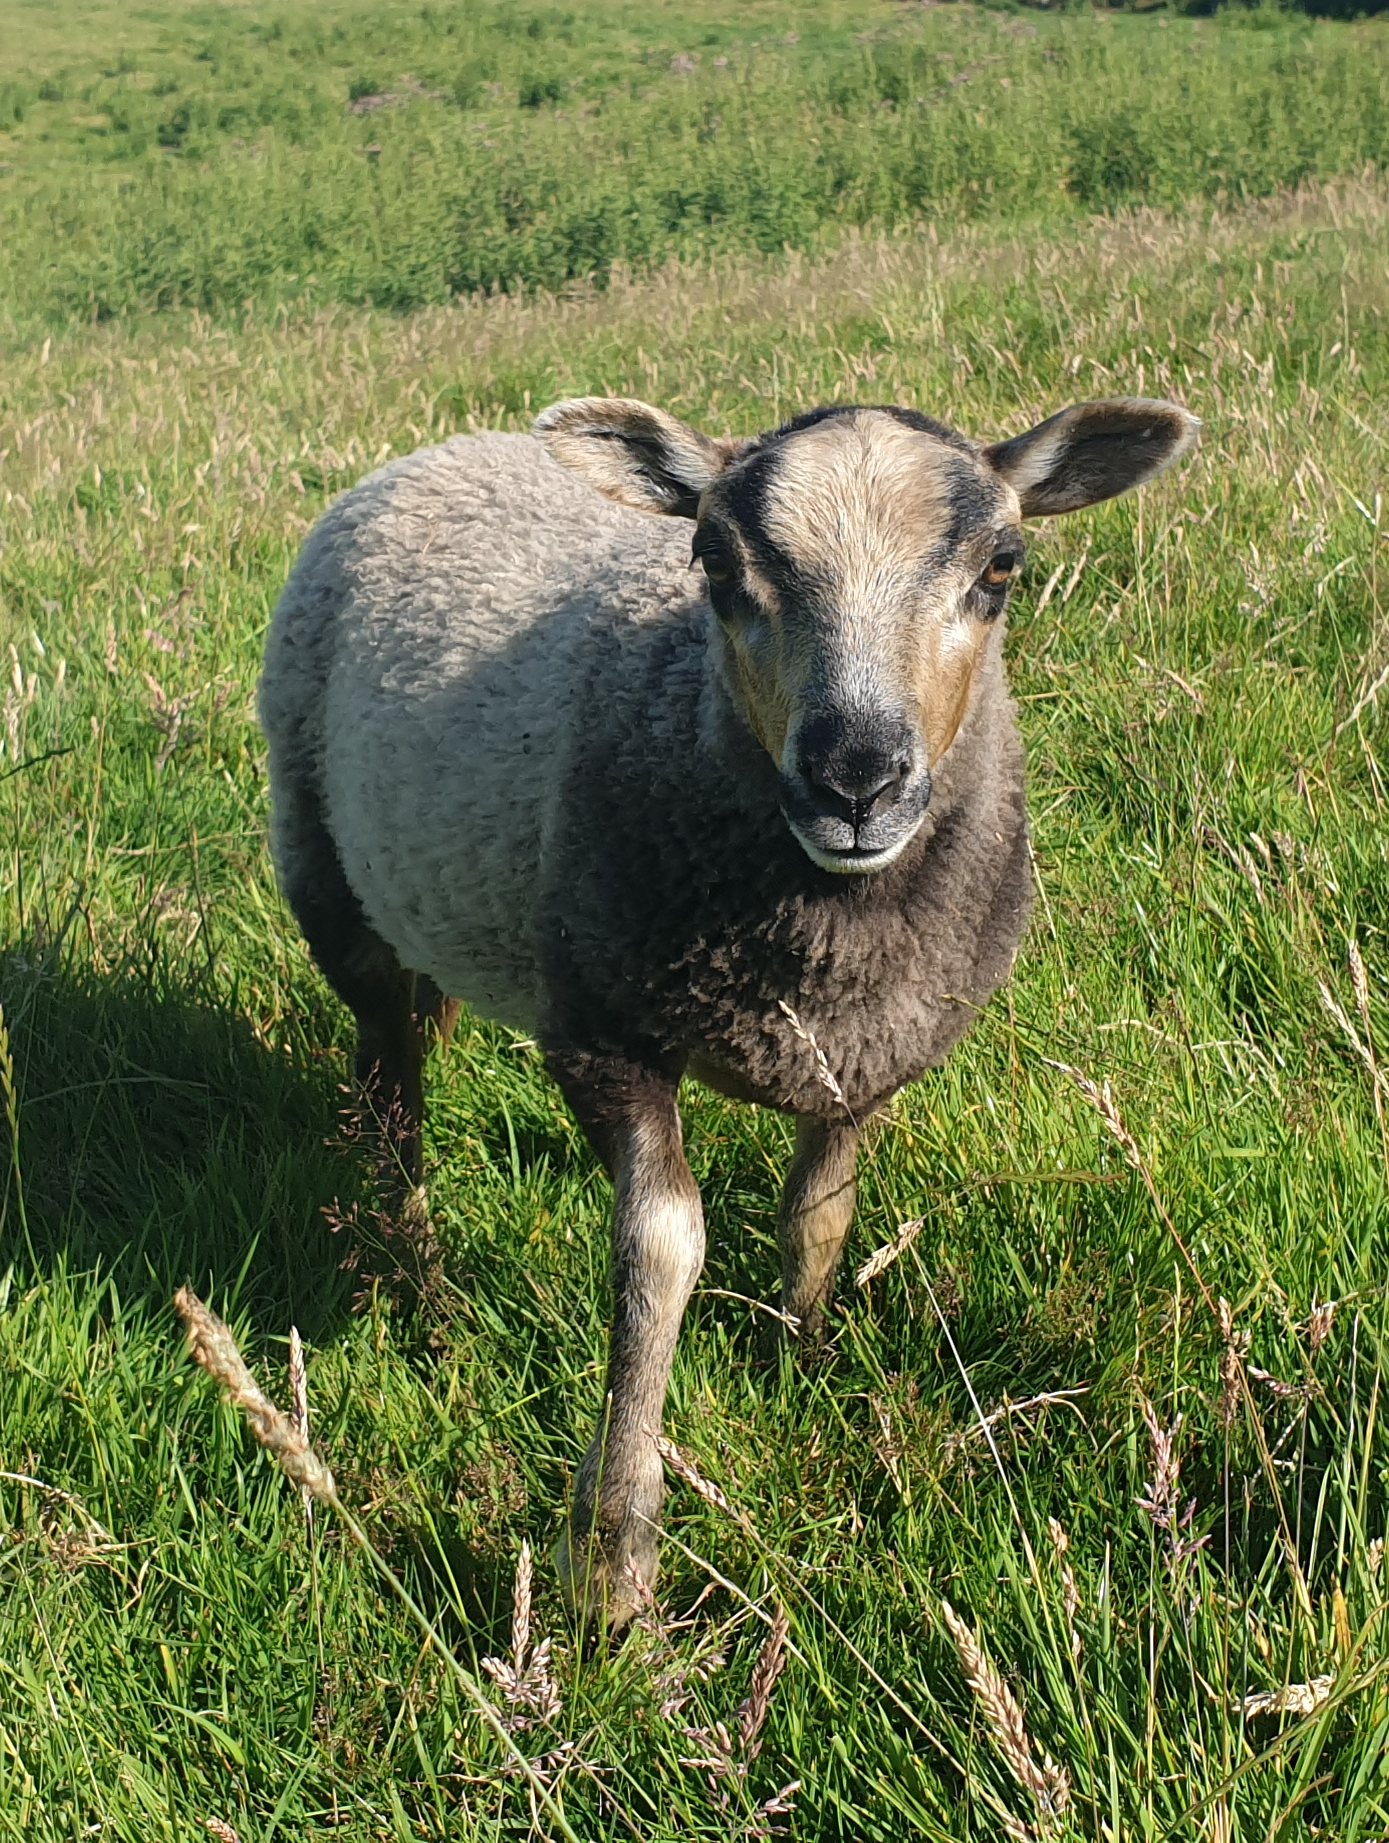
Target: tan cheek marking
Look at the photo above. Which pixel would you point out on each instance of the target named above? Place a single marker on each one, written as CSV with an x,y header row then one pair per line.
x,y
765,702
761,589
951,660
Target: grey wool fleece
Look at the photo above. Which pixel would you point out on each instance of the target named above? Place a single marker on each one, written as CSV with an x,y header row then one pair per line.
x,y
500,697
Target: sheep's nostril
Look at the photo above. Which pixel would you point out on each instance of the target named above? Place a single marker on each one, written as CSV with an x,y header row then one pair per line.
x,y
855,789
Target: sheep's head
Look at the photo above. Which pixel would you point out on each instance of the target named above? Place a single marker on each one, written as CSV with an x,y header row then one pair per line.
x,y
859,563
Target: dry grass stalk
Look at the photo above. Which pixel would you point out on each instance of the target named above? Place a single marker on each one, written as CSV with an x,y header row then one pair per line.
x,y
213,1346
1364,702
771,1661
983,1425
1292,1699
299,1402
1359,979
688,1473
1101,1098
1047,1785
298,1384
1070,1593
9,1103
882,1258
824,1074
525,1679
55,1494
1364,1051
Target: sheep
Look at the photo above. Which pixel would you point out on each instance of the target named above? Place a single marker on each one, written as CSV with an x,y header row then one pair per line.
x,y
762,826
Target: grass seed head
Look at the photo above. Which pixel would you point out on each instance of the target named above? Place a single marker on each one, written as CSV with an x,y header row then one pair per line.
x,y
525,1678
298,1384
1070,1592
688,1473
1319,1324
1232,1355
824,1074
771,1661
213,1346
1292,1699
1101,1097
882,1258
1048,1785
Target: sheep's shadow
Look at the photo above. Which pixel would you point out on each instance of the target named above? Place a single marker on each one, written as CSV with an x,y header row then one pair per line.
x,y
161,1142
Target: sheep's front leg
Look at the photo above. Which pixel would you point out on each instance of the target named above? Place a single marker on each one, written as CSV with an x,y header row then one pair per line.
x,y
817,1206
657,1254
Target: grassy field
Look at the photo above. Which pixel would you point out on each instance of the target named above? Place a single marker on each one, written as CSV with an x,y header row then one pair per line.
x,y
399,154
1118,1400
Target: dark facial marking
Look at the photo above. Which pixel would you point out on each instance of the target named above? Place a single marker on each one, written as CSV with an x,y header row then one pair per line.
x,y
743,499
912,418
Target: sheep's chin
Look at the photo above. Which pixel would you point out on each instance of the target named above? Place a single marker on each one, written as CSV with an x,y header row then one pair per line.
x,y
842,864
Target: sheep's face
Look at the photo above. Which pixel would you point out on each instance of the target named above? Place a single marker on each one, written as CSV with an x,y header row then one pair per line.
x,y
859,563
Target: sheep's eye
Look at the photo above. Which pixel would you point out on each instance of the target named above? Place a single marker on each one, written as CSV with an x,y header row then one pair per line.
x,y
718,564
1002,569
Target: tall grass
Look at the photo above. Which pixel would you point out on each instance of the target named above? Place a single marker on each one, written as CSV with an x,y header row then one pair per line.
x,y
1115,1392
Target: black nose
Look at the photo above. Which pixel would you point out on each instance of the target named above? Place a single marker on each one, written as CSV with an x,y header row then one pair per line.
x,y
856,766
861,782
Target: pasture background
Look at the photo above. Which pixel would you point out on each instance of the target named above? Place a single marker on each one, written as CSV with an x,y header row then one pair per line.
x,y
219,307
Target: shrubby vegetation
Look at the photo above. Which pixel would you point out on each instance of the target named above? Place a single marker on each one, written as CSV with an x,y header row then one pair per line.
x,y
402,156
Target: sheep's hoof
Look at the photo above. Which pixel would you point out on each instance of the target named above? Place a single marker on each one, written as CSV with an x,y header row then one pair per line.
x,y
413,1211
403,1247
804,1335
606,1583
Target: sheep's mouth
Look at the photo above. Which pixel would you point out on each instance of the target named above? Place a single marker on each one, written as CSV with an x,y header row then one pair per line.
x,y
853,818
853,860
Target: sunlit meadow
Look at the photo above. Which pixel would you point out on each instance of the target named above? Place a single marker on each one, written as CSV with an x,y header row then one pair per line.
x,y
1078,1532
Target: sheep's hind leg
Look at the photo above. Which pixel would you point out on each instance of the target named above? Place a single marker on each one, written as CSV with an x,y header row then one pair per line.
x,y
817,1207
608,1555
435,1014
366,974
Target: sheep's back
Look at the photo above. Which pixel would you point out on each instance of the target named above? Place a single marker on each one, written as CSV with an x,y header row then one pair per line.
x,y
437,652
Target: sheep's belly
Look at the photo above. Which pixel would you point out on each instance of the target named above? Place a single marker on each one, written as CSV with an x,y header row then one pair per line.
x,y
453,900
467,955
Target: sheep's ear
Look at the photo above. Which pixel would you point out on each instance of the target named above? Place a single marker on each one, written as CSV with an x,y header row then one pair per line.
x,y
1093,451
636,455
